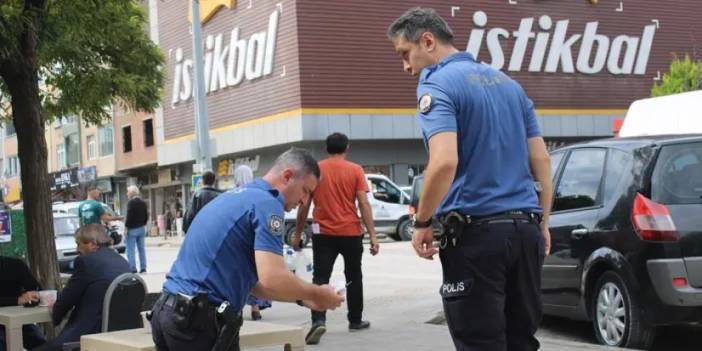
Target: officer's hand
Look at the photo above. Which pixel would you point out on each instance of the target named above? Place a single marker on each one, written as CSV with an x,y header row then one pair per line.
x,y
547,240
297,242
374,246
326,299
423,243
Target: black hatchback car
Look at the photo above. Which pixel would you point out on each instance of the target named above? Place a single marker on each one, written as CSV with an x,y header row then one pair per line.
x,y
626,236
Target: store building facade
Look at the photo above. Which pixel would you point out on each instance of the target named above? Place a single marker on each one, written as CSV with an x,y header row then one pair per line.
x,y
284,73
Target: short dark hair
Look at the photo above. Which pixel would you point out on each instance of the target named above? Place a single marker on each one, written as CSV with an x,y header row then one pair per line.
x,y
337,143
300,160
92,186
419,20
208,178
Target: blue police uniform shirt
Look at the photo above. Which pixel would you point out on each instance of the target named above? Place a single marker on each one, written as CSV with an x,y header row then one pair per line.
x,y
493,119
217,255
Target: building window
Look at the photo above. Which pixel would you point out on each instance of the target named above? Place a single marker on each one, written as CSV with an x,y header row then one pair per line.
x,y
13,167
127,139
10,129
148,132
92,147
72,146
106,140
61,156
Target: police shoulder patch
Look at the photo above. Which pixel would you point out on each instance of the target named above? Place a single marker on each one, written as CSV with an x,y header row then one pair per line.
x,y
424,103
275,224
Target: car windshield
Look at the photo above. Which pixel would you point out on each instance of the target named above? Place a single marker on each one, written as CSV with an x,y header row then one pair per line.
x,y
677,178
66,226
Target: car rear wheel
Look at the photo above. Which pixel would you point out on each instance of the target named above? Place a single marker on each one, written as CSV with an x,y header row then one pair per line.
x,y
404,230
616,315
290,235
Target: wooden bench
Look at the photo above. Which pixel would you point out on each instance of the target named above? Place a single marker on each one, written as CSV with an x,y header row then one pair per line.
x,y
253,334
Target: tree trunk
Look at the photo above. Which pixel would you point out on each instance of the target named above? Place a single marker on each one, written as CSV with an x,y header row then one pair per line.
x,y
22,80
31,143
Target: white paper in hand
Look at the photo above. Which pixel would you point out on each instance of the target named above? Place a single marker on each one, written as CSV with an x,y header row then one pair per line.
x,y
340,287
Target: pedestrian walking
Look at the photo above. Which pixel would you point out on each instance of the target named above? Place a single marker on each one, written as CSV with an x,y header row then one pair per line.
x,y
137,217
200,198
486,154
336,230
235,247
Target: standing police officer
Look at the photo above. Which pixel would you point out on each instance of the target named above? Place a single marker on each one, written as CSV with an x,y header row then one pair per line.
x,y
234,247
485,154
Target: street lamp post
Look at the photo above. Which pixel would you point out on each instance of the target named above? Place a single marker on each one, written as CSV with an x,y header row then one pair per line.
x,y
204,160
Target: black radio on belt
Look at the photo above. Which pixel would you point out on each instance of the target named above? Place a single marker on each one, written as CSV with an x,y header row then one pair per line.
x,y
191,311
230,322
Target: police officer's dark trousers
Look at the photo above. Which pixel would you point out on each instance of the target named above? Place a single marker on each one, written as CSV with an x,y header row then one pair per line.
x,y
325,249
491,285
169,337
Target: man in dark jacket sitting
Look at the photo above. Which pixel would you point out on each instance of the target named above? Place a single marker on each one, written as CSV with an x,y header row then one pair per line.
x,y
201,198
18,287
96,267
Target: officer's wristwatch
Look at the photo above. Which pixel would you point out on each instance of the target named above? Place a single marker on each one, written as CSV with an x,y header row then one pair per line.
x,y
420,224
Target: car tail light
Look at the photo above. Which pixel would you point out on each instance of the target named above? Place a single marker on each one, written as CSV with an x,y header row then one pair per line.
x,y
412,210
653,221
679,282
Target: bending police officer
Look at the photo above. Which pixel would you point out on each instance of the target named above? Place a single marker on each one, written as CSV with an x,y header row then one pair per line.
x,y
486,154
234,247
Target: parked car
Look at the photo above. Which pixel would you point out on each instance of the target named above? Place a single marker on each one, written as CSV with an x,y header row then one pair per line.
x,y
626,236
114,227
388,203
65,226
417,186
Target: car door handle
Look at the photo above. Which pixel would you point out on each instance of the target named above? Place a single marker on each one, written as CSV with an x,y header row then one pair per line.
x,y
578,233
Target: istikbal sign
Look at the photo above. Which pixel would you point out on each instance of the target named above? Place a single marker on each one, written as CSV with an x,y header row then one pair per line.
x,y
229,60
553,47
548,48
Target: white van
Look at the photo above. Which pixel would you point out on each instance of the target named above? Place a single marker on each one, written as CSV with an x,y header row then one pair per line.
x,y
390,207
665,115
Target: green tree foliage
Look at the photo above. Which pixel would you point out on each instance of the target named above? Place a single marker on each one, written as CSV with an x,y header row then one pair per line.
x,y
684,75
68,57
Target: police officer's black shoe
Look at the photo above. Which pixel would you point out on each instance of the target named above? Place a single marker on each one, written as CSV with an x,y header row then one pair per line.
x,y
316,331
359,326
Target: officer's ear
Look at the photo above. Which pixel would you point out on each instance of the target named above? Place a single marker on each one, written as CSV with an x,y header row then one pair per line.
x,y
428,41
288,174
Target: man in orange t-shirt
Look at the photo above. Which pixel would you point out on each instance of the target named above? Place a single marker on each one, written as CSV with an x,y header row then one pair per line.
x,y
337,230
